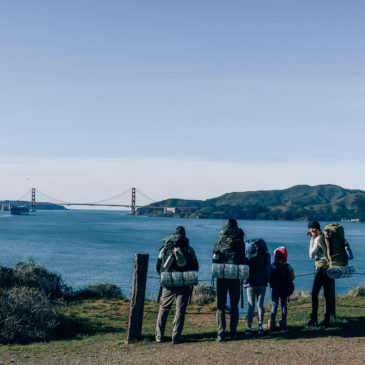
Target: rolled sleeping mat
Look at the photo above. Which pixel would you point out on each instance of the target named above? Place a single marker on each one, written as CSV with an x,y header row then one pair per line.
x,y
190,278
243,272
230,271
178,278
218,271
166,278
339,272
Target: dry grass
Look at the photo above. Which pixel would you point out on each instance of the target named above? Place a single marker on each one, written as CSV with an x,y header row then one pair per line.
x,y
301,294
359,291
204,294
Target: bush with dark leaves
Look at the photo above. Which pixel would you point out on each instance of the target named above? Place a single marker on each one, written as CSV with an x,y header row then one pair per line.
x,y
35,276
27,315
99,290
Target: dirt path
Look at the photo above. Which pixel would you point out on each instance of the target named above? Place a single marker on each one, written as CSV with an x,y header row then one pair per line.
x,y
328,350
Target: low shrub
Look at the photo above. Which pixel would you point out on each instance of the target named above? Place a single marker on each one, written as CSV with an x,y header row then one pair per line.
x,y
301,294
99,290
27,315
35,276
6,277
203,294
359,291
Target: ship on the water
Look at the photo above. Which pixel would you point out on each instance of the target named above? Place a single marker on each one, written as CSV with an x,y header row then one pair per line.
x,y
19,210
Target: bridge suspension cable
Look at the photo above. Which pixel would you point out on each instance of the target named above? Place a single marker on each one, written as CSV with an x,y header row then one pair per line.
x,y
111,198
145,196
26,196
51,198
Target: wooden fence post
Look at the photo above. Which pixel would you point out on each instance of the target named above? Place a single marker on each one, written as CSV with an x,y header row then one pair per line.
x,y
138,290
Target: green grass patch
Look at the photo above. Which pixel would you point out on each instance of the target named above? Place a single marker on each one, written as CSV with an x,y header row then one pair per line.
x,y
94,324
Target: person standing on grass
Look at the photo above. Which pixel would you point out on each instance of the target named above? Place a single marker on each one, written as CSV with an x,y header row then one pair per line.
x,y
260,267
228,249
176,254
318,251
281,282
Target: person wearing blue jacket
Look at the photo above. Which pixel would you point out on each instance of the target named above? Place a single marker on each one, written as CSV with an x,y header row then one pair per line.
x,y
260,267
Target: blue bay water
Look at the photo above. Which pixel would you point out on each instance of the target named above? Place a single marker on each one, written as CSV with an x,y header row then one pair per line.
x,y
89,246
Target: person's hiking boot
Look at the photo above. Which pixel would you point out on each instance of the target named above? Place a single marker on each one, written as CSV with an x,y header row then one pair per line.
x,y
248,331
220,337
234,336
260,330
313,321
282,324
159,339
271,325
325,322
175,340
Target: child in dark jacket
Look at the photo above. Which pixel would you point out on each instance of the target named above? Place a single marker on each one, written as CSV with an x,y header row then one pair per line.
x,y
281,282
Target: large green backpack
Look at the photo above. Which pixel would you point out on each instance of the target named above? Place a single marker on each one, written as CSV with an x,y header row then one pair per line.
x,y
334,236
177,246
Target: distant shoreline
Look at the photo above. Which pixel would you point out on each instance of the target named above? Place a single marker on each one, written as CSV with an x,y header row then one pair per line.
x,y
4,205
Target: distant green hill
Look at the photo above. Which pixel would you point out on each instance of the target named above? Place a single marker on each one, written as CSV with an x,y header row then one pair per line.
x,y
300,202
39,206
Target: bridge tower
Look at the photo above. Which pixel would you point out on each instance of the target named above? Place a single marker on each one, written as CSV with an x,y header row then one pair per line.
x,y
133,202
32,204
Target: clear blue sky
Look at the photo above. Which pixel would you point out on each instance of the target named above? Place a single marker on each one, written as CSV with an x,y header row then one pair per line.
x,y
241,82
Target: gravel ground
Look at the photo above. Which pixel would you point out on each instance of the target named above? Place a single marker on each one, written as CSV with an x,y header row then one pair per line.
x,y
327,350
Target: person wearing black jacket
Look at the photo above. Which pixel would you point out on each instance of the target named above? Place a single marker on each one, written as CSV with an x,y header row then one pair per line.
x,y
181,294
229,249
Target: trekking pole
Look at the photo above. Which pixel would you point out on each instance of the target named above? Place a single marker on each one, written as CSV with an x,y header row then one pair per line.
x,y
190,294
241,292
159,294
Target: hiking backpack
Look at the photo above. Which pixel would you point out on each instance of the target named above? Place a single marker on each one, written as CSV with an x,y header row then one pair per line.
x,y
176,254
258,258
281,281
334,237
230,248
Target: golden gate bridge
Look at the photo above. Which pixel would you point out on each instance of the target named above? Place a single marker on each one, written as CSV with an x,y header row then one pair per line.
x,y
34,197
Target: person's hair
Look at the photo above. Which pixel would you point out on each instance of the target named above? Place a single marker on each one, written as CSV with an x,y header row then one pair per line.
x,y
314,224
180,230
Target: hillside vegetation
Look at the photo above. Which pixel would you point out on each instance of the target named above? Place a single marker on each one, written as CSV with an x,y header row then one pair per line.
x,y
300,202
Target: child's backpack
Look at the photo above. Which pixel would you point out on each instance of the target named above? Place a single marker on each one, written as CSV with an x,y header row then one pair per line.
x,y
281,281
334,236
258,258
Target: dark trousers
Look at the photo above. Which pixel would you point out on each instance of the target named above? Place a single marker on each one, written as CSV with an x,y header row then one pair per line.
x,y
233,287
321,279
275,306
